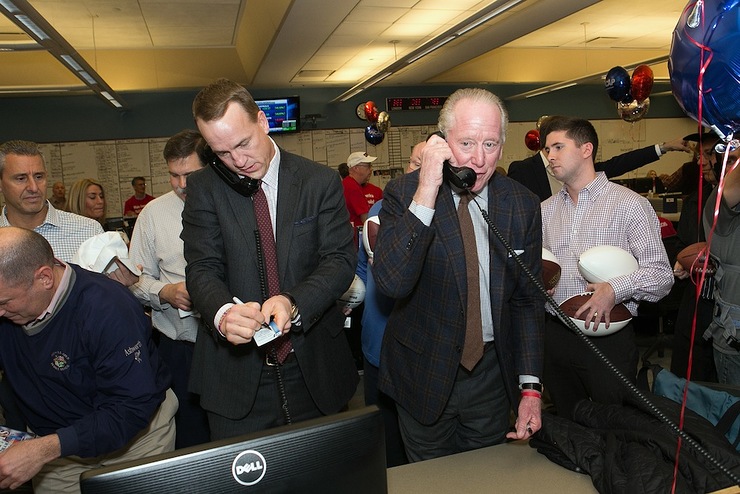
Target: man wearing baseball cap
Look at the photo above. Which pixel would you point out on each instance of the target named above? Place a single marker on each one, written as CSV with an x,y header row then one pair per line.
x,y
359,193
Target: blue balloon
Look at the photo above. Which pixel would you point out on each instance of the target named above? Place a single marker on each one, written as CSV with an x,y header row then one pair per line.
x,y
714,29
373,135
617,84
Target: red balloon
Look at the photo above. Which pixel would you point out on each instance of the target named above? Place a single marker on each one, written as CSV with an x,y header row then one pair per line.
x,y
532,140
371,112
642,83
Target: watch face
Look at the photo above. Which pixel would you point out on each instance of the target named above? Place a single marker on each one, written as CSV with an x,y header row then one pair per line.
x,y
360,111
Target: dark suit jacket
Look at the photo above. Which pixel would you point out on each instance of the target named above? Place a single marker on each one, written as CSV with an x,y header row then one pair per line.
x,y
531,172
424,269
316,261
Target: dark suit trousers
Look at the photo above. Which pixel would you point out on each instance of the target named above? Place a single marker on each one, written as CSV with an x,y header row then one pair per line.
x,y
573,372
394,451
266,412
476,415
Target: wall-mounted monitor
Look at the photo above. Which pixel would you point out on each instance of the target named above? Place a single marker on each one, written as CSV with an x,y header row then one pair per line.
x,y
283,114
338,453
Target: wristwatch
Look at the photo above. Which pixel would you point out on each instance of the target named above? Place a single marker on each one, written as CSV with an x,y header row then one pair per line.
x,y
294,315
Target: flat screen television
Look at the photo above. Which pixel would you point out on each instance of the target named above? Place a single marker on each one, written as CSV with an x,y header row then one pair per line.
x,y
283,114
335,454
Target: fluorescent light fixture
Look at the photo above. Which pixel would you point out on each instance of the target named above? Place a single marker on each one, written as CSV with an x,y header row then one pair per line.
x,y
484,15
9,6
549,89
72,63
587,78
488,17
22,13
37,31
429,50
376,80
351,94
87,78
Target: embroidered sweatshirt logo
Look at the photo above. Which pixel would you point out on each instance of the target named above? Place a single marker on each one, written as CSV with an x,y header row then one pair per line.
x,y
135,351
60,361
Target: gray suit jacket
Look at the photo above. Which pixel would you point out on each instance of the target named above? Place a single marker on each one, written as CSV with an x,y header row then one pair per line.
x,y
424,269
316,262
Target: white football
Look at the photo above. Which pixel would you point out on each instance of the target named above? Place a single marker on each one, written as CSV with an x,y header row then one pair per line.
x,y
604,262
620,316
602,330
354,295
370,235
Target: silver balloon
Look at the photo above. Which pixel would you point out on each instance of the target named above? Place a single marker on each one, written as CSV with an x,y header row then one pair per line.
x,y
634,110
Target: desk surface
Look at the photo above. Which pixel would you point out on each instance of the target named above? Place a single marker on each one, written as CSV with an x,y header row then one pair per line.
x,y
513,467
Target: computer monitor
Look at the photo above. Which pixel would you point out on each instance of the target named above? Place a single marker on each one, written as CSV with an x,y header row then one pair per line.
x,y
283,114
339,453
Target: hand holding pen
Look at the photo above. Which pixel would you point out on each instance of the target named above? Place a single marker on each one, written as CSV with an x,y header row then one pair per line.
x,y
240,322
267,331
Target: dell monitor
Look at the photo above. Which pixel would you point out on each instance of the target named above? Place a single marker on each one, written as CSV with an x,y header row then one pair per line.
x,y
334,454
283,114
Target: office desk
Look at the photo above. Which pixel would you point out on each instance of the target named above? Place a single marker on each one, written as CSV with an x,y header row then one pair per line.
x,y
512,468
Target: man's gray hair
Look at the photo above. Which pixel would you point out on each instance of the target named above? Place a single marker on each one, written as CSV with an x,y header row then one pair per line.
x,y
21,148
447,114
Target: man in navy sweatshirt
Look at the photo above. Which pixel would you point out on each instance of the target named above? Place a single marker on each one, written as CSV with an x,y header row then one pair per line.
x,y
76,348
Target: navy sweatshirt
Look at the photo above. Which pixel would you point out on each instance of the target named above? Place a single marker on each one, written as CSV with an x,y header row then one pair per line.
x,y
92,374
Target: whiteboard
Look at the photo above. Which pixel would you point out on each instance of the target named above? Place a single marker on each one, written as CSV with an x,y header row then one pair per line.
x,y
115,162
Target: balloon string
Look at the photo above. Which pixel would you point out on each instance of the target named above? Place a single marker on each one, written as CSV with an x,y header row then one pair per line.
x,y
703,50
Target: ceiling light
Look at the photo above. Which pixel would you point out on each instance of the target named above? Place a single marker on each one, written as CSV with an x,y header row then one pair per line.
x,y
376,80
588,78
21,13
488,17
9,6
71,62
429,50
494,9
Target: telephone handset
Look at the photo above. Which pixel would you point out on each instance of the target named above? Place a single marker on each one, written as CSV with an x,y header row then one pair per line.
x,y
461,177
244,186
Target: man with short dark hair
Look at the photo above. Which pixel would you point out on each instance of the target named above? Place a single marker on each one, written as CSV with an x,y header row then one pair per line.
x,y
534,172
157,247
136,202
23,184
77,350
590,211
267,242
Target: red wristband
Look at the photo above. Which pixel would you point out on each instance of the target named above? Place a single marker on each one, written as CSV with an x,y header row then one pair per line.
x,y
534,394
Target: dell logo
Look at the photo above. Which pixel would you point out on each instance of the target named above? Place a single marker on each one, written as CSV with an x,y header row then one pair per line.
x,y
249,467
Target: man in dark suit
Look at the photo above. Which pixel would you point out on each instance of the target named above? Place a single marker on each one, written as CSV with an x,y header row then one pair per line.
x,y
532,172
455,388
245,387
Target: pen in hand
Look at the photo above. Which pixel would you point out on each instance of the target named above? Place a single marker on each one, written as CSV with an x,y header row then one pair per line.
x,y
238,301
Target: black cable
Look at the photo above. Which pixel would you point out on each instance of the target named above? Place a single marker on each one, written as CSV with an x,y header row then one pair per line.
x,y
636,392
273,351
